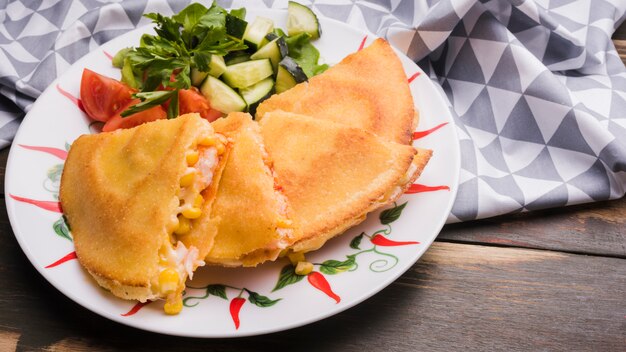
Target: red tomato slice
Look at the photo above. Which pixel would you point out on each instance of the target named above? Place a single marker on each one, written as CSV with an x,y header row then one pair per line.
x,y
191,100
117,121
103,97
213,115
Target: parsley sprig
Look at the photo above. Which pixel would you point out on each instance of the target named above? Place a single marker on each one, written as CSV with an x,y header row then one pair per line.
x,y
161,65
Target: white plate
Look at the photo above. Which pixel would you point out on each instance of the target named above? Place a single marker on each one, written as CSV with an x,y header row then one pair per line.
x,y
55,121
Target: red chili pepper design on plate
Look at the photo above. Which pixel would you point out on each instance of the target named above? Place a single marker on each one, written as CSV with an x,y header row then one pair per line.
x,y
318,281
362,44
59,153
381,240
235,307
414,76
72,98
66,258
417,188
421,134
43,204
136,308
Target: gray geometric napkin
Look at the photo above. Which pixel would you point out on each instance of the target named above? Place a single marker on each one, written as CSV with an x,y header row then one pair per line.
x,y
536,86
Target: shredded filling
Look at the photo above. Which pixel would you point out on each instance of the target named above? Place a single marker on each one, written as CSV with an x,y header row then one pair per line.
x,y
180,258
284,227
177,262
202,172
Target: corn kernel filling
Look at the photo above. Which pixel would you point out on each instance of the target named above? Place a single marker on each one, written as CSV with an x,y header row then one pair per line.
x,y
187,179
284,223
304,268
201,163
192,157
173,307
184,226
192,213
296,257
168,281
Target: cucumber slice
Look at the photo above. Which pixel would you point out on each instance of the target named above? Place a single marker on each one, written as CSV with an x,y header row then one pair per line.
x,y
247,73
235,26
274,50
271,36
255,33
216,68
236,57
257,92
301,19
284,80
289,74
197,77
221,96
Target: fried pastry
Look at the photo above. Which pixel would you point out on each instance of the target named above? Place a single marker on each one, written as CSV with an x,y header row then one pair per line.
x,y
333,175
129,195
367,89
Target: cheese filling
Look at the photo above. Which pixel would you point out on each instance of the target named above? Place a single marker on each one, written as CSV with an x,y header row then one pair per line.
x,y
283,225
181,259
177,263
202,172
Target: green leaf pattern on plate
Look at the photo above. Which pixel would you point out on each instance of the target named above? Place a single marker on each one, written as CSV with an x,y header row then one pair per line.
x,y
61,228
392,214
260,300
332,267
287,277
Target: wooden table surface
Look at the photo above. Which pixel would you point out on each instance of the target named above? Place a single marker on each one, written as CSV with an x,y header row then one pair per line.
x,y
552,280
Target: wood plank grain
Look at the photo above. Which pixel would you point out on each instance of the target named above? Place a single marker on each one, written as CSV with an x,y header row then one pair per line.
x,y
458,297
596,228
8,340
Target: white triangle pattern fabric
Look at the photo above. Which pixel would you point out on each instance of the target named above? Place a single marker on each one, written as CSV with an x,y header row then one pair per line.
x,y
508,46
551,114
464,94
489,200
432,39
480,137
488,53
37,26
502,103
534,188
111,17
76,10
16,11
577,11
577,163
518,154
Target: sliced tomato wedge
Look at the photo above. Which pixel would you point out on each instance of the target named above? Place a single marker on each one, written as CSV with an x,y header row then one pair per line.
x,y
117,121
191,100
103,97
